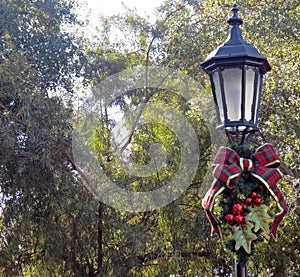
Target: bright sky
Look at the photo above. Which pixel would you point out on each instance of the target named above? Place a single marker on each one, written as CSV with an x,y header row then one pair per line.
x,y
110,7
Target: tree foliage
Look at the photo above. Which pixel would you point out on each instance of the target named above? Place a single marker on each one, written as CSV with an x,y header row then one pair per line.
x,y
39,194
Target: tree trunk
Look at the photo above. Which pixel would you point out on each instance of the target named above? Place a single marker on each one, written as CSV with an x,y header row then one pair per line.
x,y
100,236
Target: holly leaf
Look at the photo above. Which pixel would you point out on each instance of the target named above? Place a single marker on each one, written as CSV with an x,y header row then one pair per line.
x,y
260,218
243,236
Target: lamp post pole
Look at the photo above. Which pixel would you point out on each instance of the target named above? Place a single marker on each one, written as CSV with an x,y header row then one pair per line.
x,y
241,269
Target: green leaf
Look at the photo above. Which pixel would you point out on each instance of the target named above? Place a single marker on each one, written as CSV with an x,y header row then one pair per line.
x,y
260,218
243,236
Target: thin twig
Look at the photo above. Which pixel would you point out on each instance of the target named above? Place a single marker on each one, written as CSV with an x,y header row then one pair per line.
x,y
147,99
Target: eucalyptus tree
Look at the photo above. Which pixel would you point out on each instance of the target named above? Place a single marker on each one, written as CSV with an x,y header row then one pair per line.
x,y
42,201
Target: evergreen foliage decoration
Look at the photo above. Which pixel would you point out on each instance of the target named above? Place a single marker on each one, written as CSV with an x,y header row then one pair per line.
x,y
244,209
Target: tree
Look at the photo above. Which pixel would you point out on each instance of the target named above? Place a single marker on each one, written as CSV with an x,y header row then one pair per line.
x,y
41,226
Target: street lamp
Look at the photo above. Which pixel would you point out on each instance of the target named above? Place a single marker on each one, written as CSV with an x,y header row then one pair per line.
x,y
236,72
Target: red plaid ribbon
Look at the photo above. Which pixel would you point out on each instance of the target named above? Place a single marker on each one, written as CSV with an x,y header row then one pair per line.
x,y
229,167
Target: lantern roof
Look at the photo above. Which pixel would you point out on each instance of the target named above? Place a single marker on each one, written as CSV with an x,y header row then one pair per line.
x,y
235,50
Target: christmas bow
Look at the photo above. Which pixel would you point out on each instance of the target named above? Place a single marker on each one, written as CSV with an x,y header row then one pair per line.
x,y
262,165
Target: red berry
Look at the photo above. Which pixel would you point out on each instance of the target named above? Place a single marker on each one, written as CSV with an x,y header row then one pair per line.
x,y
258,200
248,201
254,194
229,218
239,219
237,208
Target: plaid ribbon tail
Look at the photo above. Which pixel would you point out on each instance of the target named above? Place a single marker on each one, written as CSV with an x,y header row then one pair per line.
x,y
283,210
208,205
269,178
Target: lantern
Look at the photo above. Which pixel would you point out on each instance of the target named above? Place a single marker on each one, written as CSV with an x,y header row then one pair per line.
x,y
236,71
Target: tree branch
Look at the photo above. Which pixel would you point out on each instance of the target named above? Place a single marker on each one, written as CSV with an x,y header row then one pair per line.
x,y
185,254
81,173
148,96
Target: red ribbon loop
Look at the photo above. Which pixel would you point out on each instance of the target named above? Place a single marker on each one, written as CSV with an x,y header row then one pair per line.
x,y
230,166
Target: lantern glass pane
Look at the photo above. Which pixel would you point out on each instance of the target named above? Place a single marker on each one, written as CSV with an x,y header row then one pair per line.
x,y
249,92
233,90
218,94
257,100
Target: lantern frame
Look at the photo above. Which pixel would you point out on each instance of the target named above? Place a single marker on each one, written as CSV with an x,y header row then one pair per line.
x,y
236,93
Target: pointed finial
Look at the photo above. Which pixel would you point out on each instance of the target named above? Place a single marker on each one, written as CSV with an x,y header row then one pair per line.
x,y
235,20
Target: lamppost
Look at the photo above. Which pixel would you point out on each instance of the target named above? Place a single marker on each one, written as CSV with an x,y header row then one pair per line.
x,y
245,178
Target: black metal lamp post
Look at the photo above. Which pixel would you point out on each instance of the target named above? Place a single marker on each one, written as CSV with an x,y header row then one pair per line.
x,y
236,72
